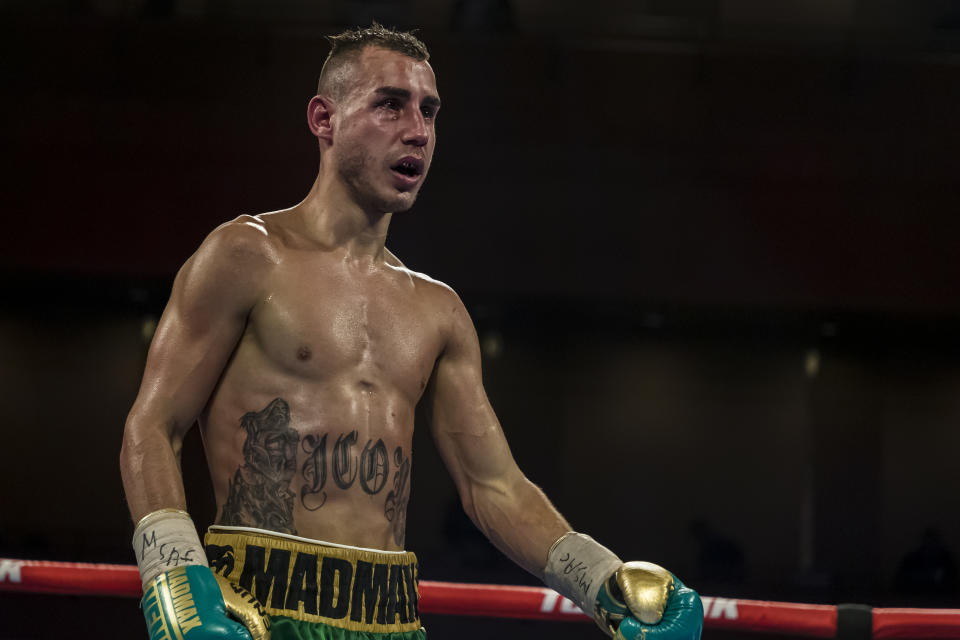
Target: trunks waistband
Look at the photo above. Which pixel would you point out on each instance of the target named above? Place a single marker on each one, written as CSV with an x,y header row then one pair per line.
x,y
348,587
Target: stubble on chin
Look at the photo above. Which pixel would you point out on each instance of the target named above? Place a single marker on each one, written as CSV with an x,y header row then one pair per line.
x,y
354,168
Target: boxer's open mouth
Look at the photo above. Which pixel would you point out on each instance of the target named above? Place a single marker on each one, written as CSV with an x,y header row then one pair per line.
x,y
409,167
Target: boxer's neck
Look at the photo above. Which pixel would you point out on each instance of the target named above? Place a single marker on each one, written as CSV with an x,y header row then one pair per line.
x,y
332,217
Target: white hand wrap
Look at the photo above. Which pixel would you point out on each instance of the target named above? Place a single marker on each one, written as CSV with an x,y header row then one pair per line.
x,y
577,567
164,540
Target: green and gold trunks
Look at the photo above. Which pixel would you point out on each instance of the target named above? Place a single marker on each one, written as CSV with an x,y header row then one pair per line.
x,y
320,591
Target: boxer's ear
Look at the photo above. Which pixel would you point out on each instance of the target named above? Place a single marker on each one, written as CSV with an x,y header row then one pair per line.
x,y
319,111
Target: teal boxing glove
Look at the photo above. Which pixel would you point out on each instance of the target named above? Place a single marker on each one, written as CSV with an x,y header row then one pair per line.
x,y
630,601
192,603
182,598
645,601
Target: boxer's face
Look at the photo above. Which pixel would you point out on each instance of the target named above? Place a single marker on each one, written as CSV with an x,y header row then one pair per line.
x,y
384,129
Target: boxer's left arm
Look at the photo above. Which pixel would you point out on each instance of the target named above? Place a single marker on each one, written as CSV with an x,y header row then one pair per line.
x,y
629,600
509,509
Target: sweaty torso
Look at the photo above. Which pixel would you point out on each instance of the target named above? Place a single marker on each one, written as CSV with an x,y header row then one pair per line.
x,y
309,430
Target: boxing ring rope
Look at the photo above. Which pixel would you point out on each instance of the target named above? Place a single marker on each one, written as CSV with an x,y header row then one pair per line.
x,y
539,603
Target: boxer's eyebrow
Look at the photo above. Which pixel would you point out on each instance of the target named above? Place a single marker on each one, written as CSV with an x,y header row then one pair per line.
x,y
393,92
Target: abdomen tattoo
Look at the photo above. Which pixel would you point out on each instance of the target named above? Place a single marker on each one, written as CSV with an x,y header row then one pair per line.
x,y
395,508
260,494
369,470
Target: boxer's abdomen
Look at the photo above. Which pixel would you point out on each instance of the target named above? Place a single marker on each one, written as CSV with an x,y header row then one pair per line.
x,y
323,464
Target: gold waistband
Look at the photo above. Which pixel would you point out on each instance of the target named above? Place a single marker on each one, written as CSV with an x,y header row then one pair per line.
x,y
348,587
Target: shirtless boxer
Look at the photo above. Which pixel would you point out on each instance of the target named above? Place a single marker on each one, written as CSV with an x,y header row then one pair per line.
x,y
301,346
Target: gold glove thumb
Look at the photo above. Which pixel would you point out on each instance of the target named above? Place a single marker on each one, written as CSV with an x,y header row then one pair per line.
x,y
645,587
243,607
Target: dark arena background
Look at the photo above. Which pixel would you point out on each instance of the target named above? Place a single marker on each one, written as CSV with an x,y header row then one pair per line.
x,y
710,247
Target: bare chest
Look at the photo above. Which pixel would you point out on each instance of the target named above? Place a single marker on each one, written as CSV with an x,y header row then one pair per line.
x,y
359,329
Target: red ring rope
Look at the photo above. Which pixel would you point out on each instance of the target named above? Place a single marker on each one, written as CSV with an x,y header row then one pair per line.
x,y
532,603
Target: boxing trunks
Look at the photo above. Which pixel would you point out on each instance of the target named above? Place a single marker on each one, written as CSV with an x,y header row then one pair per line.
x,y
314,590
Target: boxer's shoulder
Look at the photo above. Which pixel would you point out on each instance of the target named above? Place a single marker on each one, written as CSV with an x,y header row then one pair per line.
x,y
452,314
230,268
439,298
243,238
430,288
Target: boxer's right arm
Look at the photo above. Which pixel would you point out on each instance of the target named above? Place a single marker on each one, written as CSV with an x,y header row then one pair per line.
x,y
212,296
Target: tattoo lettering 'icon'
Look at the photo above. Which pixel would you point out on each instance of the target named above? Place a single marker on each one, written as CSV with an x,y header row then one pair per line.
x,y
374,467
260,494
314,471
371,467
344,469
395,508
